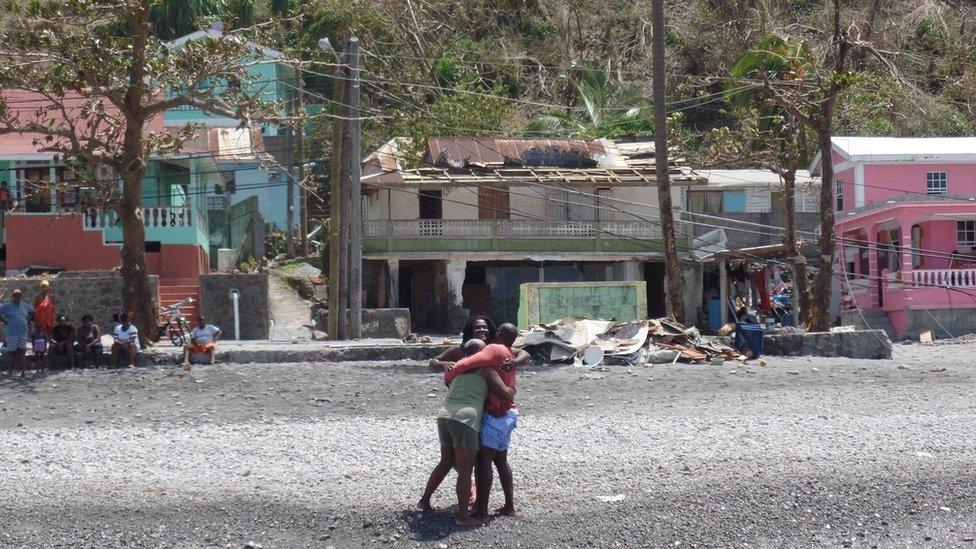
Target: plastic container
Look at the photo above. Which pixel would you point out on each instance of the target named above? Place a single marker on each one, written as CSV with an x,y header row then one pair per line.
x,y
749,337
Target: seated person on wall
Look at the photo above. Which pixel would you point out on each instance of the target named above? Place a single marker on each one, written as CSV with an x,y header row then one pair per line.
x,y
89,342
126,341
63,340
203,340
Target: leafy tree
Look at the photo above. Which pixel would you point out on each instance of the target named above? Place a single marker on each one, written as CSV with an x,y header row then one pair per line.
x,y
102,77
809,96
777,140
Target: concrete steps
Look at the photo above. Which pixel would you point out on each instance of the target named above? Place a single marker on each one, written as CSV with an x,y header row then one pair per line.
x,y
174,290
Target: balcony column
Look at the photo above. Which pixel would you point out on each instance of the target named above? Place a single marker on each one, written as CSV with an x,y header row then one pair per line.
x,y
906,253
392,283
874,283
454,270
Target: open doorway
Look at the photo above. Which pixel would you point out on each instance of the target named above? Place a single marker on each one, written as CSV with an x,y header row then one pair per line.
x,y
657,305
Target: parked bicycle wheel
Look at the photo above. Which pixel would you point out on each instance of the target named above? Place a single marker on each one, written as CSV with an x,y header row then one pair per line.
x,y
180,333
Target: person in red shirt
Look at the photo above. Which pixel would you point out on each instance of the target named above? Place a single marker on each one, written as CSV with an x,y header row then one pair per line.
x,y
499,420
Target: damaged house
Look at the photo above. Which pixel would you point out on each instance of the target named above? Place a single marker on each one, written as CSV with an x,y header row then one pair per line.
x,y
457,231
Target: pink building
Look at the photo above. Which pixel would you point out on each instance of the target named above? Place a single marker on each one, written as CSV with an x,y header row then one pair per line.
x,y
906,230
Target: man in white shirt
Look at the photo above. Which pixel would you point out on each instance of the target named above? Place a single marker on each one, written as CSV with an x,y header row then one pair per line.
x,y
126,341
203,340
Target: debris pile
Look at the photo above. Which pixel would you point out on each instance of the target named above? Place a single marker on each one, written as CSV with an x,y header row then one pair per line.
x,y
592,342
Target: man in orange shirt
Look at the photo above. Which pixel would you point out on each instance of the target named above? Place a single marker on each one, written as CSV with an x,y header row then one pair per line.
x,y
498,422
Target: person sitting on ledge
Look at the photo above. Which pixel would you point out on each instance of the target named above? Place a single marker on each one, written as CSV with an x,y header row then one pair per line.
x,y
203,339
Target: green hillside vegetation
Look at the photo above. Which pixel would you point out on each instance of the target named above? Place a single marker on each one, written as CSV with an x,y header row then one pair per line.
x,y
582,67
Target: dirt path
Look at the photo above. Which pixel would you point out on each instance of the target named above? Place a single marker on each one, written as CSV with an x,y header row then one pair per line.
x,y
289,312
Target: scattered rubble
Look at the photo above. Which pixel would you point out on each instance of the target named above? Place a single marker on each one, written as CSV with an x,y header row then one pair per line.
x,y
592,342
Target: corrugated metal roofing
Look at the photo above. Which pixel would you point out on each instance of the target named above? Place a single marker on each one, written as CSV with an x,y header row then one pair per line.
x,y
520,152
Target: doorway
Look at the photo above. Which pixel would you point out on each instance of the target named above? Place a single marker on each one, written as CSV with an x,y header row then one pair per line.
x,y
657,304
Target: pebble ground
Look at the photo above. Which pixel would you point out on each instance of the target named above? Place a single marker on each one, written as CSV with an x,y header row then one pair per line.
x,y
799,453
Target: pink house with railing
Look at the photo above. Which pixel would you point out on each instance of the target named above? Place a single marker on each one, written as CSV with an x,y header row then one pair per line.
x,y
906,233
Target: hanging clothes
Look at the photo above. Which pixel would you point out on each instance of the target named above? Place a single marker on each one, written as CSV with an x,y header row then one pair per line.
x,y
765,302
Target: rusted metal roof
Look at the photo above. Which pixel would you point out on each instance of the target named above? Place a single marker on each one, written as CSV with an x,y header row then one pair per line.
x,y
494,151
474,161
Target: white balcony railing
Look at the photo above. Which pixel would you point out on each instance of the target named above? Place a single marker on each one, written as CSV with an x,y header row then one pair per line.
x,y
153,216
509,228
952,278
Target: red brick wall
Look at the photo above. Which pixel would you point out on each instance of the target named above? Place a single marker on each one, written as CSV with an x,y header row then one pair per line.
x,y
57,241
60,241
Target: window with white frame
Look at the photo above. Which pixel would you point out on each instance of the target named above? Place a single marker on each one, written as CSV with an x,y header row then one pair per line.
x,y
936,183
839,195
966,234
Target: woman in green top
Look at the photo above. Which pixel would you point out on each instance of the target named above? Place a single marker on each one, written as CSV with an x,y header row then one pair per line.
x,y
458,426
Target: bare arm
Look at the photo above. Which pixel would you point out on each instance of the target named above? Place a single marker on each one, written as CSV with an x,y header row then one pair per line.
x,y
521,358
445,361
495,383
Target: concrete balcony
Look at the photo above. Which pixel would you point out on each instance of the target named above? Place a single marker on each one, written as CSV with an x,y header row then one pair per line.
x,y
504,235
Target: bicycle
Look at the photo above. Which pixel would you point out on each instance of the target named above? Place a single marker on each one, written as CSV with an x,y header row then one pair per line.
x,y
171,320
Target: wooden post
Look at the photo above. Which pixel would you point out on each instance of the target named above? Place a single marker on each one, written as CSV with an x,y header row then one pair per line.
x,y
354,163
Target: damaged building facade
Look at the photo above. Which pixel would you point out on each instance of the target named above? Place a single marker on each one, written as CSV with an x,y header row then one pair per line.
x,y
458,228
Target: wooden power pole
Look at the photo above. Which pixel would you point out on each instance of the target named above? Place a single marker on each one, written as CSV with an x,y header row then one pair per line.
x,y
337,259
354,162
675,286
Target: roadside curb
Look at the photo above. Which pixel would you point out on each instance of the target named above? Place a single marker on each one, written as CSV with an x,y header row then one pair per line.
x,y
286,354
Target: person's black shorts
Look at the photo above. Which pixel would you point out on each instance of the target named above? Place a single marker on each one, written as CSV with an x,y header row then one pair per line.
x,y
97,348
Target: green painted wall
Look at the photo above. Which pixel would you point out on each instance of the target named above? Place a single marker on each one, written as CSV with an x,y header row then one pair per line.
x,y
550,301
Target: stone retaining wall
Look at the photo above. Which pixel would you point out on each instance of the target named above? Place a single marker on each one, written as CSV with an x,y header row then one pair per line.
x,y
218,307
98,293
869,344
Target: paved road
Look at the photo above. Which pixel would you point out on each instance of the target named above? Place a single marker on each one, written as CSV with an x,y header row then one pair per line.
x,y
798,453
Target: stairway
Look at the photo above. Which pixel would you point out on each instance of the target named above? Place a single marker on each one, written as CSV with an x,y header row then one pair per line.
x,y
173,290
875,320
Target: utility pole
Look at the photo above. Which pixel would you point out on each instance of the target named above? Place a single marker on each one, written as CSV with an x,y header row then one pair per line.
x,y
355,219
337,233
290,197
675,287
300,146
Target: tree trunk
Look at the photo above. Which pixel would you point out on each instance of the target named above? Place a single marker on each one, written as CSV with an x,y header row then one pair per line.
x,y
792,250
865,32
137,297
820,312
675,283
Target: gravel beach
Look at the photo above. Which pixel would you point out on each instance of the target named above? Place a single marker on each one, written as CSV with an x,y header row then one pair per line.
x,y
802,452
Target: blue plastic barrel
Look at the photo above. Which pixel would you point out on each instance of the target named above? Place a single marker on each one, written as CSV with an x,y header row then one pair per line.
x,y
749,337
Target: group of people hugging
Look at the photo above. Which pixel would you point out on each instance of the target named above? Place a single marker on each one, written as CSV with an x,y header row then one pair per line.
x,y
475,424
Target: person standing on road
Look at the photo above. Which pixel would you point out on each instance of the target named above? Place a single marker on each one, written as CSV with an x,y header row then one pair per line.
x,y
498,421
17,317
44,308
458,424
477,327
203,340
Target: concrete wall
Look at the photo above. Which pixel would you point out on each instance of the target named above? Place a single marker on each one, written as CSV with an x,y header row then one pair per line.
x,y
743,236
551,301
78,293
867,344
217,306
525,203
460,203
